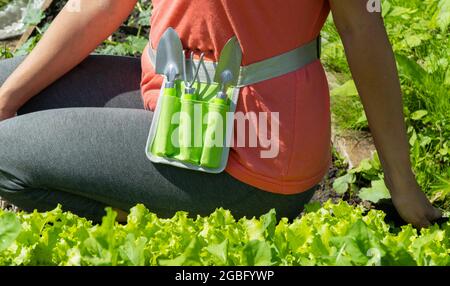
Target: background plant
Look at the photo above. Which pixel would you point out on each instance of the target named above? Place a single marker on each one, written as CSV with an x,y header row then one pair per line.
x,y
419,33
3,3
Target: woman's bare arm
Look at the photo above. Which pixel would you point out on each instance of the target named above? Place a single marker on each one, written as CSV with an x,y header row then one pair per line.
x,y
70,38
372,63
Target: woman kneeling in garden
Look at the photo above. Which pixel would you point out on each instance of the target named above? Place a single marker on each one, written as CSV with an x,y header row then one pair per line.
x,y
73,126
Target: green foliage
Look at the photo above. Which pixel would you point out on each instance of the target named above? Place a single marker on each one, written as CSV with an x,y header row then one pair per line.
x,y
344,183
34,16
443,15
5,53
335,234
376,192
118,44
4,3
420,35
132,45
9,230
366,181
347,109
333,54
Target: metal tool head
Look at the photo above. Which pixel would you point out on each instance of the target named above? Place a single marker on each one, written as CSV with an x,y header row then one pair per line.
x,y
169,55
226,77
191,77
228,68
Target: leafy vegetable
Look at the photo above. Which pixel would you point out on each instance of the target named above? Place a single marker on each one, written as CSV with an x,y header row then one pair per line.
x,y
342,184
375,193
9,229
334,234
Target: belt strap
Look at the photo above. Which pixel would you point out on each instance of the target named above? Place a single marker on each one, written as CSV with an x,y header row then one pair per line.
x,y
263,70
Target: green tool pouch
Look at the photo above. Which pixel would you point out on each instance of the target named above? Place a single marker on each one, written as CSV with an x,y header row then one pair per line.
x,y
193,133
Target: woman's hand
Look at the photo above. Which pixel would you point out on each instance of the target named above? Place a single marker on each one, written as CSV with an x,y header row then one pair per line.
x,y
374,70
411,203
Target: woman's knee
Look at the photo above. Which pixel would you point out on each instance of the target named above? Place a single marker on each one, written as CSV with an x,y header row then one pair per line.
x,y
11,188
9,183
12,167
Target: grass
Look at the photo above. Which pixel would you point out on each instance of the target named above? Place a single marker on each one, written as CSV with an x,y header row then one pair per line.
x,y
419,33
423,54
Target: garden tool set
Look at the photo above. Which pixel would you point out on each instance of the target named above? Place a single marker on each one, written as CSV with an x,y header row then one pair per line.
x,y
192,126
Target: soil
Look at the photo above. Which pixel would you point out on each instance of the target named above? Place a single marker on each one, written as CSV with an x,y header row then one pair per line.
x,y
325,191
353,145
7,206
10,43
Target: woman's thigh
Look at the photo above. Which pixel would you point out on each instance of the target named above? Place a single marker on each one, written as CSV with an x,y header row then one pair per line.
x,y
98,153
99,81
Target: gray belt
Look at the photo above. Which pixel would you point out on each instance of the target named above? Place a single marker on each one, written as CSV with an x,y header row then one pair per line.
x,y
263,70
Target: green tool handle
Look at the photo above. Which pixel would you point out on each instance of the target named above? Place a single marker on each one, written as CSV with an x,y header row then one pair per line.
x,y
221,97
189,94
170,91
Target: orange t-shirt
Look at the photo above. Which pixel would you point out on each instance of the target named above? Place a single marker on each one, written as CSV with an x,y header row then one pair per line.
x,y
265,28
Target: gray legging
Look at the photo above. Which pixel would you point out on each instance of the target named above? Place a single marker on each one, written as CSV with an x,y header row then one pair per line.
x,y
81,143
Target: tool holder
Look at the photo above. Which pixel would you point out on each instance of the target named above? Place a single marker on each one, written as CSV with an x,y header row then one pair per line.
x,y
193,133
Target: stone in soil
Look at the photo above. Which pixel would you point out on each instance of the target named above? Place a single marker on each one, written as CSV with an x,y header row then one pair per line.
x,y
10,43
4,205
353,145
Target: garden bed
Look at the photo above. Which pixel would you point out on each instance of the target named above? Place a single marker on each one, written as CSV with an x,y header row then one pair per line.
x,y
349,221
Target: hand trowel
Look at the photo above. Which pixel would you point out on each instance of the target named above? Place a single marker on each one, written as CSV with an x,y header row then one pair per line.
x,y
228,68
169,62
170,59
